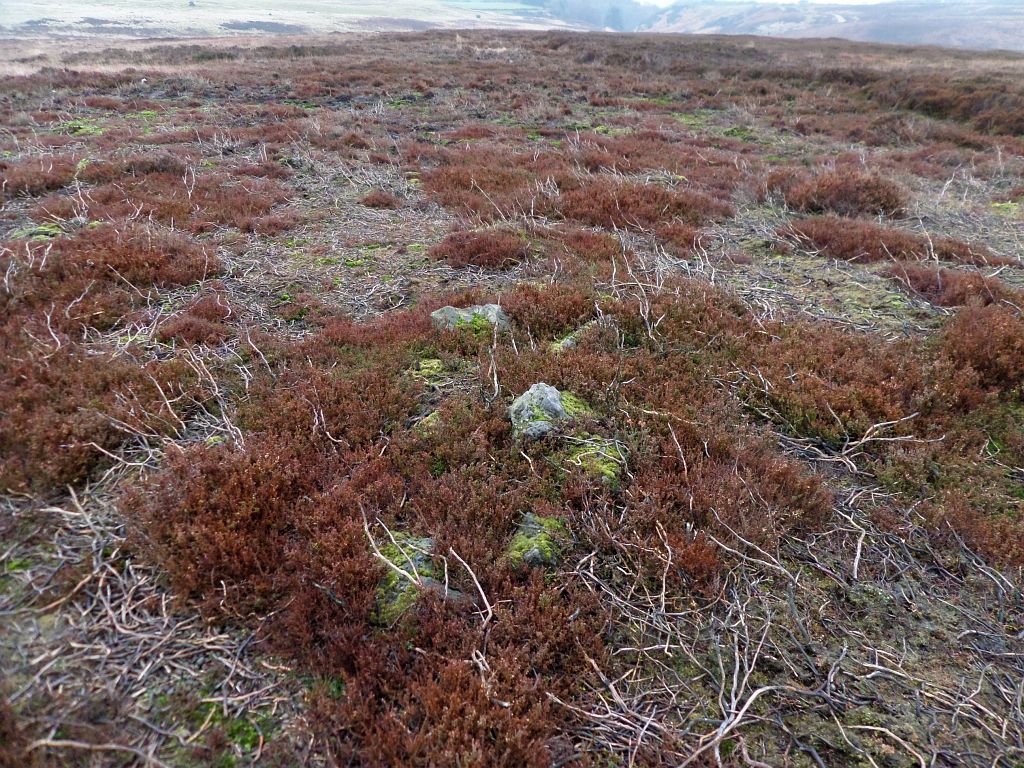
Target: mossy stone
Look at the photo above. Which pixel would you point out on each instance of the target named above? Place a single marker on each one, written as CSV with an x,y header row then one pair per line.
x,y
395,593
480,320
537,541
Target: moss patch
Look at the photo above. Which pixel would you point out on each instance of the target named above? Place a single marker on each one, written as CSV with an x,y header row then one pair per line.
x,y
574,406
478,326
81,127
431,369
600,457
46,231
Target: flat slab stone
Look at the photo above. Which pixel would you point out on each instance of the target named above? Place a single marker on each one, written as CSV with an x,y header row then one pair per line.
x,y
473,318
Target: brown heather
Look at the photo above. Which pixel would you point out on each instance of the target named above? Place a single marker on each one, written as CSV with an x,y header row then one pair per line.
x,y
621,208
863,242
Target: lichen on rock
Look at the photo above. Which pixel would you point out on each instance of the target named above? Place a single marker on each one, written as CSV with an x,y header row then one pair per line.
x,y
537,411
537,542
570,341
478,319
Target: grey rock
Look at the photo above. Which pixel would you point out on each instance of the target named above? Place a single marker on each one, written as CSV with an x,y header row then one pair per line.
x,y
535,412
454,318
570,341
537,541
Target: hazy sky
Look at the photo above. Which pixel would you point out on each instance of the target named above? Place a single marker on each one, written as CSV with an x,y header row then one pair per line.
x,y
665,3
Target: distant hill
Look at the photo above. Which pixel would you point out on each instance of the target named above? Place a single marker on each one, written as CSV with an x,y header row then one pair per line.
x,y
984,24
970,24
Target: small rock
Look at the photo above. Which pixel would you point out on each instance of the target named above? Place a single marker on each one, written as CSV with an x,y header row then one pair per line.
x,y
536,412
395,593
536,541
480,317
570,341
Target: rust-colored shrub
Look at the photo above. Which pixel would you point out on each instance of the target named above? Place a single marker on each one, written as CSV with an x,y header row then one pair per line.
x,y
356,141
213,307
219,518
834,385
35,175
989,104
63,409
998,536
272,224
381,198
989,339
191,329
678,237
195,202
848,192
492,183
106,172
13,739
486,248
862,241
950,287
549,312
94,277
611,204
595,247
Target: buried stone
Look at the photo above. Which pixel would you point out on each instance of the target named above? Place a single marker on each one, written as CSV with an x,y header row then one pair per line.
x,y
480,317
397,593
573,339
537,411
537,541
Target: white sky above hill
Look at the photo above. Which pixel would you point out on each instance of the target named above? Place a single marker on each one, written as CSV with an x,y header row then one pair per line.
x,y
666,3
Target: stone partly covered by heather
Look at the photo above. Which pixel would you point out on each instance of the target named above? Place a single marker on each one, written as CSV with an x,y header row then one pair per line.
x,y
570,341
537,411
537,541
396,593
480,317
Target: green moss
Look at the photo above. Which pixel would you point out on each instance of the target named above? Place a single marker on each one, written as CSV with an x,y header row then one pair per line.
x,y
743,134
537,541
600,457
9,567
428,423
1007,208
574,406
430,369
479,326
46,231
80,127
16,564
695,120
572,339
